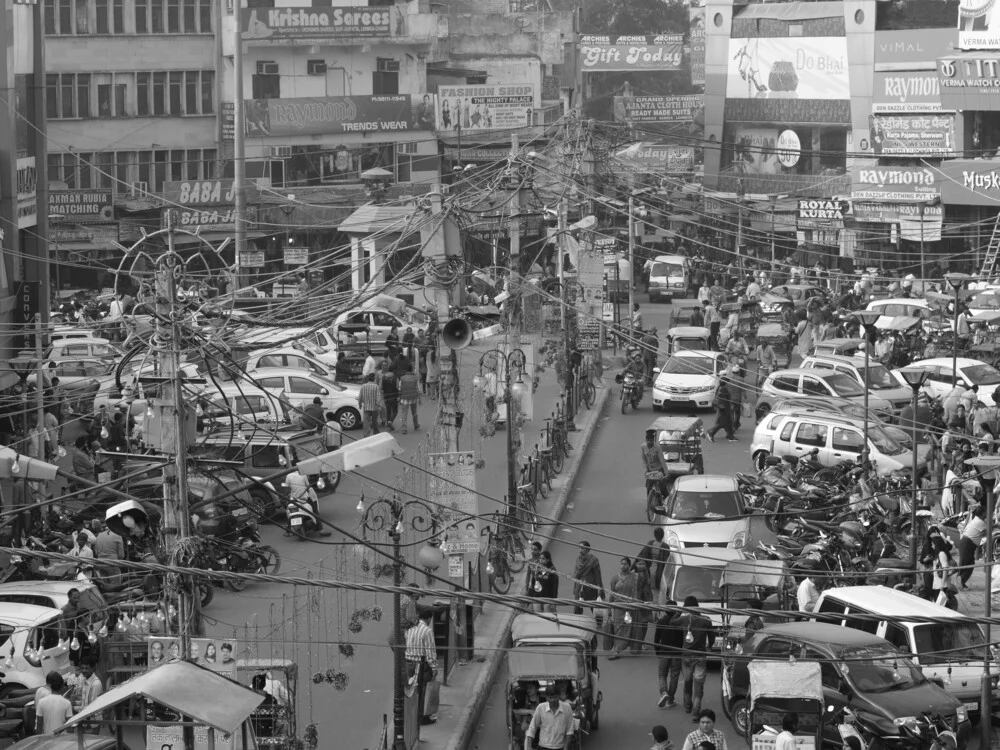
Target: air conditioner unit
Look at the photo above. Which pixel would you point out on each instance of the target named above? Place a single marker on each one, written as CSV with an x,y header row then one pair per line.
x,y
138,189
406,148
316,67
281,152
267,68
387,65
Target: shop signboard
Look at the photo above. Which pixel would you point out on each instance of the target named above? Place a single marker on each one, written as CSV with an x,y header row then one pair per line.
x,y
918,46
931,134
82,205
27,201
252,259
970,182
296,256
820,213
696,38
656,158
658,108
97,236
896,184
970,83
323,115
906,91
228,122
280,25
788,68
602,53
888,213
219,219
199,192
452,489
978,25
485,107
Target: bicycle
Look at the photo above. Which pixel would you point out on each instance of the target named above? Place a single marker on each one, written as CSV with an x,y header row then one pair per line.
x,y
497,569
553,451
510,543
561,433
543,469
588,394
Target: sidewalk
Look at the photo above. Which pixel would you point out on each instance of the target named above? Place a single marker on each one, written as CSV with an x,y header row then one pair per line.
x,y
464,697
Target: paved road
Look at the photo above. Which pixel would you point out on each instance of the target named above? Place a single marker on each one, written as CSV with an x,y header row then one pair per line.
x,y
608,509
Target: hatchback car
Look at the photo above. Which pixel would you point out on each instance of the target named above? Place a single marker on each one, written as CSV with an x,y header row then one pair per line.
x,y
895,308
860,672
83,348
970,372
783,384
688,378
373,325
299,388
799,294
705,510
880,380
297,359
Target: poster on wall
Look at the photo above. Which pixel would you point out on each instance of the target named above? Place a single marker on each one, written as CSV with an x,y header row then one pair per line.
x,y
655,52
755,150
696,38
978,24
659,108
931,134
788,68
485,107
452,488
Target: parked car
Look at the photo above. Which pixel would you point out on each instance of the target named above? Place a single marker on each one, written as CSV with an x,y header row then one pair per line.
x,y
51,594
299,389
696,499
688,378
970,372
894,308
372,325
296,359
783,384
88,348
861,672
30,637
880,380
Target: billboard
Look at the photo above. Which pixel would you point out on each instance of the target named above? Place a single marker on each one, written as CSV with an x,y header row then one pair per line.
x,y
895,184
656,157
82,205
696,39
658,108
218,219
339,114
609,53
452,487
788,68
199,192
755,150
931,134
971,83
978,25
907,91
485,107
970,182
278,25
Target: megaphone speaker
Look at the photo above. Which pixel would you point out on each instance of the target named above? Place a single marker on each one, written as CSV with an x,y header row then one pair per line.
x,y
456,333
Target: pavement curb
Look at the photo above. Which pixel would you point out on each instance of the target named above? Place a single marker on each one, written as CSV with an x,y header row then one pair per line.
x,y
466,727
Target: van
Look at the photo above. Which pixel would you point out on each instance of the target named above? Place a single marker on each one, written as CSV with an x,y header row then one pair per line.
x,y
30,637
835,440
880,380
668,275
241,406
949,651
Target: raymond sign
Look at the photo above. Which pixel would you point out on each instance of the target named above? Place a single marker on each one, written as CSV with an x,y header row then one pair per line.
x,y
657,108
278,25
908,91
82,205
932,134
887,213
896,184
656,52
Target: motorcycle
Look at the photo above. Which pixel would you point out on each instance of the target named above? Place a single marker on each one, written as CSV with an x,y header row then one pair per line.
x,y
251,557
631,390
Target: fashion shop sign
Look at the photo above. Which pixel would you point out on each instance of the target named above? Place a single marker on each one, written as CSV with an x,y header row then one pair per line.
x,y
896,184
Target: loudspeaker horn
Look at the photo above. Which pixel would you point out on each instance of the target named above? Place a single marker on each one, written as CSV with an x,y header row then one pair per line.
x,y
456,333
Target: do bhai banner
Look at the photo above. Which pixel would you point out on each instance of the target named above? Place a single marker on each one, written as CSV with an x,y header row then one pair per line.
x,y
920,135
656,52
658,108
788,68
485,107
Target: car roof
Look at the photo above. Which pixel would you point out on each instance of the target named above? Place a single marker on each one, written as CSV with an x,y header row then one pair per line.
x,y
882,599
806,371
707,482
26,615
826,634
843,359
915,301
820,415
669,258
697,353
692,331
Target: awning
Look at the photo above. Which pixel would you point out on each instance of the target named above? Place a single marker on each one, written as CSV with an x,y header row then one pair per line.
x,y
372,218
202,695
362,452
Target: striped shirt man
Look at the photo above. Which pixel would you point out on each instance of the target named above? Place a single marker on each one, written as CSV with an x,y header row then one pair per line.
x,y
370,397
420,645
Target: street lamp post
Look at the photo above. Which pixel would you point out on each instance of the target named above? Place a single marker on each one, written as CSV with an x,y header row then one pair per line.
x,y
956,281
915,378
867,319
987,465
515,359
22,366
387,514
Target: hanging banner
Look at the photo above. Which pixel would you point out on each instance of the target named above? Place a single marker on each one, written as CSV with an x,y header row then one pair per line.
x,y
909,91
252,259
970,182
296,256
918,135
82,205
624,53
658,108
788,68
915,230
279,25
820,214
451,487
659,158
978,25
696,38
889,213
970,83
339,114
26,308
485,107
896,184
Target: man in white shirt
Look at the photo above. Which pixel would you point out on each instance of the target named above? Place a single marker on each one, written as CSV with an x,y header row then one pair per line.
x,y
552,725
52,710
753,290
807,595
786,739
371,365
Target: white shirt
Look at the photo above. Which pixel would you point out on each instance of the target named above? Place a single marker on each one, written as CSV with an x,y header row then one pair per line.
x,y
753,290
368,367
807,595
785,741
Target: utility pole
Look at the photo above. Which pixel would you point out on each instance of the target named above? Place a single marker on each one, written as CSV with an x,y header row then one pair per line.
x,y
515,226
40,382
631,269
239,148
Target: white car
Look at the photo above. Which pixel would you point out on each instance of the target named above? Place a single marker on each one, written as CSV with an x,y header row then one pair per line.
x,y
970,372
894,308
299,388
688,378
696,499
297,359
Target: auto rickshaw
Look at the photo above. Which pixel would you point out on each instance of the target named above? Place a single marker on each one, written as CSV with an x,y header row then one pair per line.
x,y
775,335
682,311
679,441
562,653
692,338
845,347
743,581
778,688
744,318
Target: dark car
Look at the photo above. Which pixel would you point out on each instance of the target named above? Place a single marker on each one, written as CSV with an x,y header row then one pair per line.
x,y
863,672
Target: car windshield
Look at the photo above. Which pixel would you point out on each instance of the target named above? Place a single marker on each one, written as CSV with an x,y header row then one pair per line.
x,y
666,269
942,642
702,583
982,374
884,442
986,301
879,378
879,671
844,385
695,506
688,365
689,344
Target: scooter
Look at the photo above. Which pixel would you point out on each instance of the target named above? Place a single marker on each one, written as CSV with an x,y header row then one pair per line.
x,y
303,516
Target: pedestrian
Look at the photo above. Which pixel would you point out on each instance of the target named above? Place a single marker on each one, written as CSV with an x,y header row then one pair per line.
x,y
786,738
390,391
92,687
807,594
754,622
970,540
409,398
767,360
551,725
371,402
333,433
83,464
943,571
422,369
313,417
705,733
421,659
641,617
392,343
668,640
369,366
546,583
53,709
735,385
656,553
342,370
713,321
699,638
433,373
636,317
623,588
408,340
588,585
723,413
661,739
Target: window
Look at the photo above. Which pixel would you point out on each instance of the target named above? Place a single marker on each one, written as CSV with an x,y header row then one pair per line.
x,y
104,100
786,383
266,457
830,675
159,93
67,95
176,82
831,606
898,636
777,648
81,17
277,383
302,385
774,422
205,17
266,85
142,16
173,16
271,360
190,94
868,626
812,387
811,434
103,25
847,440
384,319
117,16
142,94
190,15
85,171
786,432
50,17
385,83
207,92
121,94
176,93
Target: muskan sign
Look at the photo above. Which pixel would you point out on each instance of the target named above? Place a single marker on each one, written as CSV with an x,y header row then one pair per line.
x,y
970,182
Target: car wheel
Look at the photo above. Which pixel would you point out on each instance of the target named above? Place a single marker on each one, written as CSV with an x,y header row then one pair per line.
x,y
760,460
350,419
762,411
262,504
656,408
740,716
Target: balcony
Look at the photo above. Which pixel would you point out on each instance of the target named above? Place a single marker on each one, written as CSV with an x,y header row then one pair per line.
x,y
798,185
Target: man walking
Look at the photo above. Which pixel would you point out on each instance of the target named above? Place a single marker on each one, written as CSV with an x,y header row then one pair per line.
x,y
668,640
588,584
723,413
409,398
699,637
552,723
706,732
370,401
655,553
421,658
713,321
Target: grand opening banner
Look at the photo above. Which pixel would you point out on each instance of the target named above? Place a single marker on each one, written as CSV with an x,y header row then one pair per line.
x,y
788,68
658,108
623,53
339,114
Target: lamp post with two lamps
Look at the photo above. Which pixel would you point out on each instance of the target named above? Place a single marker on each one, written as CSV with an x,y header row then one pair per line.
x,y
513,390
387,515
915,378
23,365
867,319
956,281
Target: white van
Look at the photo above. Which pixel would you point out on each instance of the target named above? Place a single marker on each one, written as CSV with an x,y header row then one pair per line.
x,y
949,651
668,275
30,636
